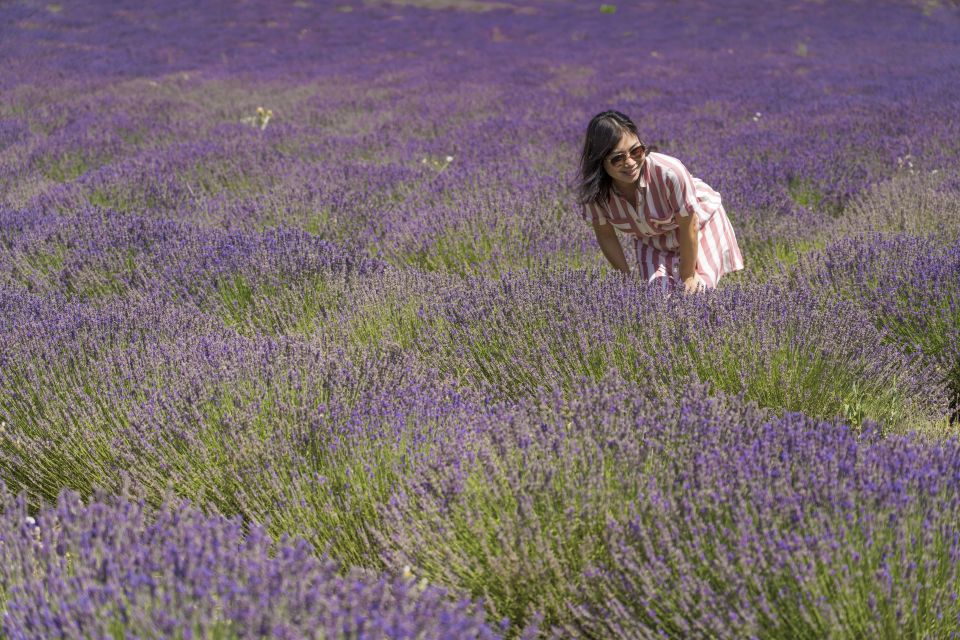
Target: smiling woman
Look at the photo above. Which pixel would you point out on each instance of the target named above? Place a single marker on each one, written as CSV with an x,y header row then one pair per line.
x,y
681,232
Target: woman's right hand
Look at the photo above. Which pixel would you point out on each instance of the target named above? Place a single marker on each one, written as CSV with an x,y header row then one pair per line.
x,y
694,284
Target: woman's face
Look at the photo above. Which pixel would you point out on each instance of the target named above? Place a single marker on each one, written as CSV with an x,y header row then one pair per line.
x,y
624,162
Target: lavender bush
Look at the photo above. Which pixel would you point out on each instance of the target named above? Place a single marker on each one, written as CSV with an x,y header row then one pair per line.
x,y
782,528
911,287
111,568
788,348
317,268
618,514
272,429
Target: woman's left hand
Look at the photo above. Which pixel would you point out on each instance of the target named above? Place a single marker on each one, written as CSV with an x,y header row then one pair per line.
x,y
694,284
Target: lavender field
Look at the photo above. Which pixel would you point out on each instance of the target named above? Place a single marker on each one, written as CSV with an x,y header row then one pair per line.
x,y
302,334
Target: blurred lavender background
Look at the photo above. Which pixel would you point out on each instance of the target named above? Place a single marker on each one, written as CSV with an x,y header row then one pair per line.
x,y
302,335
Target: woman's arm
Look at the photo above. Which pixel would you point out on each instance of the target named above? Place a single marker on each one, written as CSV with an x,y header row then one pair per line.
x,y
610,246
688,237
682,198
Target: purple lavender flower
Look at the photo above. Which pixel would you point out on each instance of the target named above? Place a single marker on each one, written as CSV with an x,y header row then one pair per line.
x,y
112,566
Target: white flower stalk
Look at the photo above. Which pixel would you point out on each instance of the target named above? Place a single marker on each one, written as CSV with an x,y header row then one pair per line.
x,y
260,119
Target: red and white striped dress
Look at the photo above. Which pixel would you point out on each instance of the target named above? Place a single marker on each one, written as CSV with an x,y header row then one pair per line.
x,y
665,190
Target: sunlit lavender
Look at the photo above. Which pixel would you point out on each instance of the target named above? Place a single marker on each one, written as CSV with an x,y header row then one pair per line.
x,y
302,334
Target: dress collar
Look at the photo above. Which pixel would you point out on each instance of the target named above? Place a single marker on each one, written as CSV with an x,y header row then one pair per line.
x,y
642,182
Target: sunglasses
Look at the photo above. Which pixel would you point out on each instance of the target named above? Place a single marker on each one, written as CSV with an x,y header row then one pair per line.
x,y
636,153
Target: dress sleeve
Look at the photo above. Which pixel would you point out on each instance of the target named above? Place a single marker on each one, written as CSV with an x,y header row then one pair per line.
x,y
592,212
681,192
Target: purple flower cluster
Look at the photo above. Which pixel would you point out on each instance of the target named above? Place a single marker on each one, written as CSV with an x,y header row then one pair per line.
x,y
112,568
779,528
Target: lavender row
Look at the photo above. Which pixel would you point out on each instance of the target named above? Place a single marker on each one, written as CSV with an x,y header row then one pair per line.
x,y
785,345
113,567
308,435
608,511
910,286
97,256
614,513
789,347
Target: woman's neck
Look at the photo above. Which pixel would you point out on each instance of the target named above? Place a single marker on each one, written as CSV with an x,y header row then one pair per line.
x,y
625,189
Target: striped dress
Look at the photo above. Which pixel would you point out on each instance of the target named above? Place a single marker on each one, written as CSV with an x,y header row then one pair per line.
x,y
665,190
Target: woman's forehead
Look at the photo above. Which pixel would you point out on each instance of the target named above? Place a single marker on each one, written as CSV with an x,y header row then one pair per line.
x,y
627,141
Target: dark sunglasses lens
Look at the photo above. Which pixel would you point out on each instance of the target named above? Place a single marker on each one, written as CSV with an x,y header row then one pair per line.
x,y
618,159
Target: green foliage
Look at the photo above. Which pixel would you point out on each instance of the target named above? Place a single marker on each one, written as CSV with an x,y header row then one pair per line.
x,y
65,437
523,529
289,308
387,323
121,627
804,193
807,194
40,264
214,177
68,166
770,259
131,199
457,252
333,496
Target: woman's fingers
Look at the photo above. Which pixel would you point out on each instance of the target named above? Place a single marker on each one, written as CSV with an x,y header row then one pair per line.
x,y
694,284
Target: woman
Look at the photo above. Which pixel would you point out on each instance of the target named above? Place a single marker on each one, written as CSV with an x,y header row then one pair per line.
x,y
680,231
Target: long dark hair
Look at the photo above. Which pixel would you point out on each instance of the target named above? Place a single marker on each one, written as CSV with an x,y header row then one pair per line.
x,y
603,135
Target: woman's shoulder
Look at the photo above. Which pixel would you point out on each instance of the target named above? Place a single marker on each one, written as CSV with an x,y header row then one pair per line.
x,y
663,160
666,167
